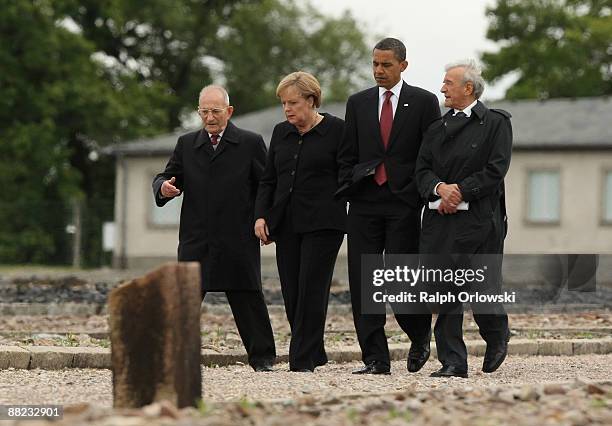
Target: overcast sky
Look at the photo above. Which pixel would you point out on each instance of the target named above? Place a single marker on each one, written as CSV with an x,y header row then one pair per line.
x,y
435,33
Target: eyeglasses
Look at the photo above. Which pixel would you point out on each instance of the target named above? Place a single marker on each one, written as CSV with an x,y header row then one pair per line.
x,y
205,111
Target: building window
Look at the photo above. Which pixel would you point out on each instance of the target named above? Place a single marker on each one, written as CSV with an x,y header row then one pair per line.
x,y
544,204
607,197
168,215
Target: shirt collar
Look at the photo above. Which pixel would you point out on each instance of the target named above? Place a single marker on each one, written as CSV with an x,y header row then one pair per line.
x,y
220,135
395,89
467,110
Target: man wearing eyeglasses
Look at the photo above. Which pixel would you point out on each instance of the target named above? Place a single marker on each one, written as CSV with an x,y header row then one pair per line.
x,y
217,170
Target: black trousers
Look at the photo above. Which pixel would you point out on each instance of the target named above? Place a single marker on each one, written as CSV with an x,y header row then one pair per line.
x,y
305,265
253,323
491,318
449,332
388,226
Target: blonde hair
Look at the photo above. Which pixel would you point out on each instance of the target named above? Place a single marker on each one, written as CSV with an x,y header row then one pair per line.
x,y
305,83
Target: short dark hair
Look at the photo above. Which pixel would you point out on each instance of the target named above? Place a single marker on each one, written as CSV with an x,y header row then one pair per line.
x,y
389,43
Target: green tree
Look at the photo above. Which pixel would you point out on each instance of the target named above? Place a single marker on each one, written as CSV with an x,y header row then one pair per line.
x,y
80,74
558,48
56,103
265,41
247,45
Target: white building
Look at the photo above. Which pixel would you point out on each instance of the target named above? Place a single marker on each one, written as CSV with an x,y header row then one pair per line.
x,y
559,187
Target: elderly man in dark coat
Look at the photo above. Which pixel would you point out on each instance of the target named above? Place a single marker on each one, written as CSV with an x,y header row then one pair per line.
x,y
217,170
460,172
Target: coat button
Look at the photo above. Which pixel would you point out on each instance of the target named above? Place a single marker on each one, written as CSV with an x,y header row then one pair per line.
x,y
474,145
291,189
300,142
295,157
292,172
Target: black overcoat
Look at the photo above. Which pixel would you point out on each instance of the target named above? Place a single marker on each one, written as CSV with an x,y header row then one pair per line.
x,y
474,153
218,188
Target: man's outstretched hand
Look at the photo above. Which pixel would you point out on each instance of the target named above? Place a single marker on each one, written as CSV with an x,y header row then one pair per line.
x,y
168,189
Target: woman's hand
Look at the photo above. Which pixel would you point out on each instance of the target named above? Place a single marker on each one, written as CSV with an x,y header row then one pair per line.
x,y
261,231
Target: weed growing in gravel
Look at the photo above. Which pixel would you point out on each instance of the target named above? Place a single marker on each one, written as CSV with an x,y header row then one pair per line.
x,y
352,415
104,343
585,335
204,408
405,415
69,340
598,403
245,403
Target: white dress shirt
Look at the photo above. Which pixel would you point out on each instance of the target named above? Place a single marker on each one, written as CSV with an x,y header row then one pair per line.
x,y
218,140
467,110
394,98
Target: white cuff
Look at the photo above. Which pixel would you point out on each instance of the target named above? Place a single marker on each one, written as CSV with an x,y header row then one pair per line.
x,y
435,190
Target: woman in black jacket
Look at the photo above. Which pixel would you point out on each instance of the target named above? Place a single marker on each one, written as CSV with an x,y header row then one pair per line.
x,y
296,209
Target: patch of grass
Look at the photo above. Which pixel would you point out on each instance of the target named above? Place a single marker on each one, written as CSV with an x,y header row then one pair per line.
x,y
405,415
204,408
598,403
69,340
245,403
352,415
104,343
336,337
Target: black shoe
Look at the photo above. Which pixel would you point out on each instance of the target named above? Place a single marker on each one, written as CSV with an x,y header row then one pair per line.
x,y
418,356
374,367
449,371
263,367
495,355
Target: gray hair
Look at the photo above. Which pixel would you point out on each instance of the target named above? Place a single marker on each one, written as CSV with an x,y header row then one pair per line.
x,y
215,87
472,73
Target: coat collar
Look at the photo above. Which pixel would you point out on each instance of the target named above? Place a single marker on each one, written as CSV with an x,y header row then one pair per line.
x,y
479,110
230,134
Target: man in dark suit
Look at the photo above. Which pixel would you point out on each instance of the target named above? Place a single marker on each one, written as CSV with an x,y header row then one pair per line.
x,y
460,171
217,169
384,128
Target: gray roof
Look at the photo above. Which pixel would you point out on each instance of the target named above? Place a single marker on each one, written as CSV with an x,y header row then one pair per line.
x,y
582,123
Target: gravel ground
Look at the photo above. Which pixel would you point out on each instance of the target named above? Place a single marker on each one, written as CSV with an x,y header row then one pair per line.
x,y
235,383
335,322
219,331
40,285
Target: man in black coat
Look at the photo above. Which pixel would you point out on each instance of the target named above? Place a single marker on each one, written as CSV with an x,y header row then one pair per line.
x,y
384,128
460,172
217,169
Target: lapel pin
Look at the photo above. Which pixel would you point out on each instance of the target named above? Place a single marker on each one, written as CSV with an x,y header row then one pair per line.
x,y
405,104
